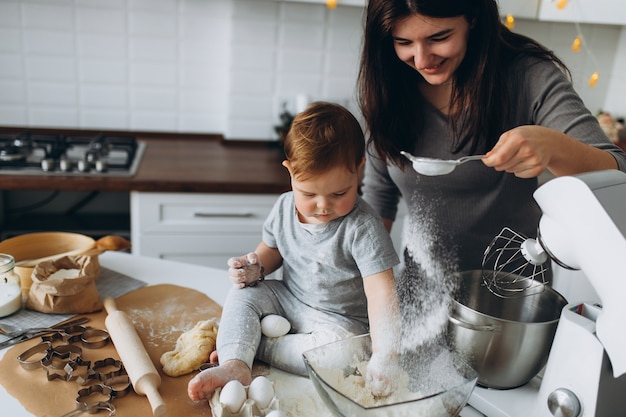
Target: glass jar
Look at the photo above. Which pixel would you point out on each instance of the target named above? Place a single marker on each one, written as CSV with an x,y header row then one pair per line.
x,y
10,289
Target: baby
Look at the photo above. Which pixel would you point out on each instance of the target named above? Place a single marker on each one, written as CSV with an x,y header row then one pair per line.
x,y
336,258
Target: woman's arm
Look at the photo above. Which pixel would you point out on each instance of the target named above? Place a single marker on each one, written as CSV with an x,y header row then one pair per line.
x,y
527,151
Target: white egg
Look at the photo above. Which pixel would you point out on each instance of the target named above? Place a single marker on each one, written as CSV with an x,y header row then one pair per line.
x,y
233,396
261,390
275,326
276,413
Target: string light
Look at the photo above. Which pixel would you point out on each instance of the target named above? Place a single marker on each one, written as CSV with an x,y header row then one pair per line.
x,y
510,21
593,80
578,43
331,4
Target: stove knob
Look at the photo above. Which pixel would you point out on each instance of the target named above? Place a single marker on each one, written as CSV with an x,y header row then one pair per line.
x,y
65,165
91,156
83,166
564,403
101,166
47,164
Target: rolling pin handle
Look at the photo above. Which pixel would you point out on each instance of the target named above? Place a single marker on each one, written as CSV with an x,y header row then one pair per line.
x,y
109,305
156,401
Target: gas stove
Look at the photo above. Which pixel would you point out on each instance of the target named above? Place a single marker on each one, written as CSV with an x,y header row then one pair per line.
x,y
76,154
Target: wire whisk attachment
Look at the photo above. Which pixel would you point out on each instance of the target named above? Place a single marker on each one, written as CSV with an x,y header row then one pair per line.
x,y
514,265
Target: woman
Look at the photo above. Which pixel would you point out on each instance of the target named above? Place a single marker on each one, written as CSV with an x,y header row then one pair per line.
x,y
445,79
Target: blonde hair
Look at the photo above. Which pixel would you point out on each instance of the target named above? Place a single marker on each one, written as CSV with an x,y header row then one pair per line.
x,y
324,136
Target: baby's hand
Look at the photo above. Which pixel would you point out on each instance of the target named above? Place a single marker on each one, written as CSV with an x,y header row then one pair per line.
x,y
245,270
382,374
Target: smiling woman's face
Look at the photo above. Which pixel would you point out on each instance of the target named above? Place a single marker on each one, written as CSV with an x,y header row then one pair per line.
x,y
434,47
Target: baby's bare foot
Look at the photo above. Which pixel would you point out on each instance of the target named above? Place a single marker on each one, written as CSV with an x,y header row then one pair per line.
x,y
204,384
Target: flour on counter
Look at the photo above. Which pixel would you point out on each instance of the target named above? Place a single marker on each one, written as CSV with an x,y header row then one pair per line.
x,y
177,317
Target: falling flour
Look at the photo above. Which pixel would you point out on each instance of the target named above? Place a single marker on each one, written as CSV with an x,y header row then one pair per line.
x,y
424,287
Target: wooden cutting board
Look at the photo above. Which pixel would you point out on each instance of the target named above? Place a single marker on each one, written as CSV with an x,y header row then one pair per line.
x,y
160,314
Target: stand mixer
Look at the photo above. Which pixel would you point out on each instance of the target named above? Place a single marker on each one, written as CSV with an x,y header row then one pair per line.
x,y
583,227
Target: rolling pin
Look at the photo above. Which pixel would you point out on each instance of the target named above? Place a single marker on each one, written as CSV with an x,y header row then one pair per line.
x,y
141,371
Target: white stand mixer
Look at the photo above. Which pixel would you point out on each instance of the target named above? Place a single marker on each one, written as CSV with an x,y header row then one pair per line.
x,y
583,227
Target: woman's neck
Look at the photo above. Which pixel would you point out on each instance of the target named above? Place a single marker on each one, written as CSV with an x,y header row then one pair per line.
x,y
439,96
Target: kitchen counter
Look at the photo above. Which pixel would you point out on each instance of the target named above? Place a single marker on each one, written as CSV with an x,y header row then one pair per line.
x,y
202,163
210,281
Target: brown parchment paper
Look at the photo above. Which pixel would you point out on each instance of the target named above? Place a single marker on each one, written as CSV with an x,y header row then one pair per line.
x,y
160,314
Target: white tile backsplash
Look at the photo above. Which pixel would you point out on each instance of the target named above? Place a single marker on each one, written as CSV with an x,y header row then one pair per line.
x,y
100,20
10,40
47,16
100,46
51,68
216,66
11,68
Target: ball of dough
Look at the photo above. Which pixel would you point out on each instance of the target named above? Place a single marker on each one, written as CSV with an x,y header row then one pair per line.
x,y
192,349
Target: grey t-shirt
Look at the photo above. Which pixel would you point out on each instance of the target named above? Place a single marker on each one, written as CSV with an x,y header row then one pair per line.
x,y
325,268
463,211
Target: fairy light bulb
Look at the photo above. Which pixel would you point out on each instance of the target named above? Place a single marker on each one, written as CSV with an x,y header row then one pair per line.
x,y
561,4
577,44
510,21
331,4
593,80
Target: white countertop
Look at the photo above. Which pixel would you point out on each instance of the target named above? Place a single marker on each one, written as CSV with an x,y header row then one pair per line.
x,y
211,281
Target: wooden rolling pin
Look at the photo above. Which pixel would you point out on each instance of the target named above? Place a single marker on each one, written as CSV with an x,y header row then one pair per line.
x,y
141,371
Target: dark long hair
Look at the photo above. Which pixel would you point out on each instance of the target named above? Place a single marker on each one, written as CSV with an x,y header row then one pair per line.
x,y
389,96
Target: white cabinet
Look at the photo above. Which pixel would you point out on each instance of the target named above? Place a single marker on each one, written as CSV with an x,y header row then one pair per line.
x,y
359,3
202,229
610,12
519,8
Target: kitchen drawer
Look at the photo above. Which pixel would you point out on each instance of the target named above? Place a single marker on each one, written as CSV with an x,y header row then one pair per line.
x,y
199,213
209,250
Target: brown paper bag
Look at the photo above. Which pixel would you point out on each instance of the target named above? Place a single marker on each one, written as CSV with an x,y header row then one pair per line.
x,y
65,286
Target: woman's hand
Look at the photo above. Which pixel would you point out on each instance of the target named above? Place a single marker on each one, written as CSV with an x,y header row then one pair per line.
x,y
245,270
527,151
524,151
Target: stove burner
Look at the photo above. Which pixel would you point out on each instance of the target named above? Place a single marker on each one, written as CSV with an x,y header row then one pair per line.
x,y
17,149
69,154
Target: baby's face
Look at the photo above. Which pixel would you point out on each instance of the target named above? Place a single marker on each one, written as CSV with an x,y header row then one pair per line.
x,y
326,196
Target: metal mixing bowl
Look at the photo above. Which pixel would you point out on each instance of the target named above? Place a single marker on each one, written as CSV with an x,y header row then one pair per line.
x,y
507,340
430,390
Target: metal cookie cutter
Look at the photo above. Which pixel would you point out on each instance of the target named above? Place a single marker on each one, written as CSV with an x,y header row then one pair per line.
x,y
55,339
57,359
29,359
120,385
94,338
115,367
99,391
92,408
73,334
59,356
79,369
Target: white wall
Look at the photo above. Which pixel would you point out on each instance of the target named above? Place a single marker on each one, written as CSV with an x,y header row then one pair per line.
x,y
218,66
